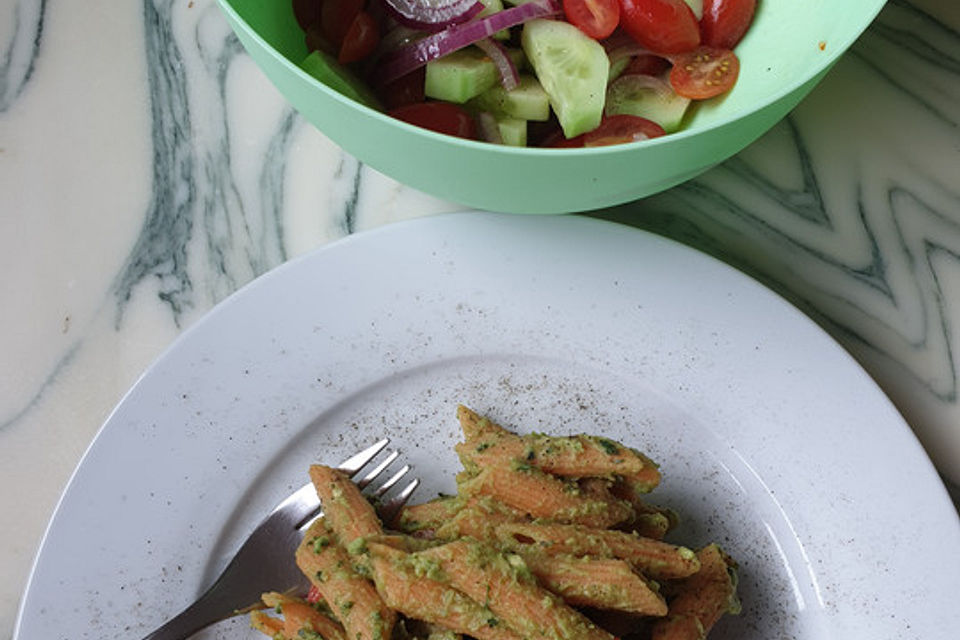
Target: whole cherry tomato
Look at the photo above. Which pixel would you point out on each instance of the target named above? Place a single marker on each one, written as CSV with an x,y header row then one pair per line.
x,y
725,21
662,26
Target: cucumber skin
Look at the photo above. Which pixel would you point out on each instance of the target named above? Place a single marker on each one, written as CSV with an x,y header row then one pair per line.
x,y
464,74
578,98
327,70
513,131
460,76
633,98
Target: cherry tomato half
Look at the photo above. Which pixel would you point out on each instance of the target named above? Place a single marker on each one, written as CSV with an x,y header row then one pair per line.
x,y
361,39
442,117
596,18
662,26
314,596
704,73
725,21
616,129
337,16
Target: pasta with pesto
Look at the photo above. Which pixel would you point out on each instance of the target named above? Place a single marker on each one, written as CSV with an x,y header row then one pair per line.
x,y
547,538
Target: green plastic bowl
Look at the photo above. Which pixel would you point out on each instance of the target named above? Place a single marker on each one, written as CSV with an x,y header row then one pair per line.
x,y
789,48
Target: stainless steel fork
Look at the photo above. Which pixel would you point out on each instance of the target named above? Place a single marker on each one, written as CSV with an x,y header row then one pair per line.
x,y
265,561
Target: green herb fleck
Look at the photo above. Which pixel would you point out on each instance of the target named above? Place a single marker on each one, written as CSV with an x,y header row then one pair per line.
x,y
357,547
608,446
320,543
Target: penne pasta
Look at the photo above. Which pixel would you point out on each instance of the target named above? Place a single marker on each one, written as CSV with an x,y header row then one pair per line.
x,y
267,625
547,538
600,583
627,490
478,519
348,513
542,495
575,456
400,541
428,516
299,616
654,558
646,521
649,525
352,598
483,573
701,599
420,590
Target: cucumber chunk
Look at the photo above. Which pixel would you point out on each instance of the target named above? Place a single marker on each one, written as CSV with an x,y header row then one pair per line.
x,y
513,131
327,70
528,101
462,75
573,69
649,97
616,68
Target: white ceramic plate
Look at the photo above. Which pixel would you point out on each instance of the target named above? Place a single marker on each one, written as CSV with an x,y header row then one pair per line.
x,y
772,440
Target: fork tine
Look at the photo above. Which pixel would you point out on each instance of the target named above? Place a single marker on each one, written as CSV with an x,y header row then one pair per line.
x,y
390,510
392,481
302,506
255,567
370,477
299,505
351,466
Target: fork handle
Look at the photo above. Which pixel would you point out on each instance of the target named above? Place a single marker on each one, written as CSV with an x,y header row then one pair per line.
x,y
208,609
259,562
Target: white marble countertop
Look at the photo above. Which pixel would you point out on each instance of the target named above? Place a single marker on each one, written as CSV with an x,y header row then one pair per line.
x,y
148,170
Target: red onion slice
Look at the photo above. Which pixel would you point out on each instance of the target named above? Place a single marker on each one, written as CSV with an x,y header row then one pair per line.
x,y
509,76
458,36
620,45
432,15
489,129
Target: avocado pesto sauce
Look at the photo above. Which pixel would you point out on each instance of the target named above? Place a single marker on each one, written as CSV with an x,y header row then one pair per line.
x,y
542,531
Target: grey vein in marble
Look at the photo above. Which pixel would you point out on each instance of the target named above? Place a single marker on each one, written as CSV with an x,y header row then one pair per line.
x,y
272,180
19,60
161,249
861,241
349,174
906,45
196,222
